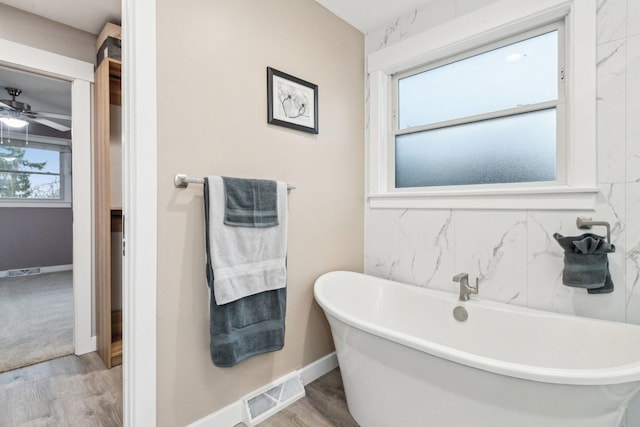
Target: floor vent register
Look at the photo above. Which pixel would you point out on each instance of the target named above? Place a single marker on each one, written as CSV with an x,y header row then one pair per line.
x,y
23,272
273,398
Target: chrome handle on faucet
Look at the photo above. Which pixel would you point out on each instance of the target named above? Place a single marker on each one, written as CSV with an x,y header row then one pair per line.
x,y
461,277
465,289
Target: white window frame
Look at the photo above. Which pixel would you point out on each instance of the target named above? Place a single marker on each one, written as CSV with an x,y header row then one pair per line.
x,y
558,104
65,200
499,21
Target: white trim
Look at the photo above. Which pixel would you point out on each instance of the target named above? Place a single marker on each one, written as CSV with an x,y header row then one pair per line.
x,y
232,414
494,22
80,74
581,93
498,114
51,64
34,203
82,163
320,367
379,123
140,209
38,138
467,32
56,268
576,199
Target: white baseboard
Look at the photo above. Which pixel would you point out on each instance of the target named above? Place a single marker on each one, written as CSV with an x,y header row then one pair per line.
x,y
232,414
86,346
228,416
316,369
49,269
56,268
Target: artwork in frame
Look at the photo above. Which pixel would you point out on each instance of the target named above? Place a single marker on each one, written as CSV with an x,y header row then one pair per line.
x,y
291,102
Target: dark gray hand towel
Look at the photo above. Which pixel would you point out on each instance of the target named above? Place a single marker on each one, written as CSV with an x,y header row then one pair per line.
x,y
245,327
250,202
586,264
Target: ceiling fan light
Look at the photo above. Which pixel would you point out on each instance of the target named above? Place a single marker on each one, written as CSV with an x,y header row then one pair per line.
x,y
14,122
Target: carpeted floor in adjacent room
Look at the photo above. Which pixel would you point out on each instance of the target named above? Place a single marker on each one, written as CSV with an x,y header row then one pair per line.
x,y
36,318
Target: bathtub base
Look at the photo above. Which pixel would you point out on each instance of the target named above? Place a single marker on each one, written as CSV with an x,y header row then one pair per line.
x,y
388,384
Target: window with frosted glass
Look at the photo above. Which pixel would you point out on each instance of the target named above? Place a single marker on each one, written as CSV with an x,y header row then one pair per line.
x,y
519,148
488,118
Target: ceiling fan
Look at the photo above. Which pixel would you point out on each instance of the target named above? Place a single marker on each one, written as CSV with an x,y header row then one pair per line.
x,y
18,114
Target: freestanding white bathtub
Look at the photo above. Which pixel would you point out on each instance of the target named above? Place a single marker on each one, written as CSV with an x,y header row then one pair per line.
x,y
405,360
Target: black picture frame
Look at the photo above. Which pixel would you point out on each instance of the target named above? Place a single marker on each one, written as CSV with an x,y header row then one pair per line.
x,y
291,102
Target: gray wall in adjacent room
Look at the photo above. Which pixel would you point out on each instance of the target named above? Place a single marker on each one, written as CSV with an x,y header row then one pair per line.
x,y
35,237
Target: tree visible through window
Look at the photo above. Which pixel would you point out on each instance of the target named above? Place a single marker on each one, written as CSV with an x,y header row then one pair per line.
x,y
29,173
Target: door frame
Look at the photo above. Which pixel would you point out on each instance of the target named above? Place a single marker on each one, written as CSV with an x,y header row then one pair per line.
x,y
80,75
139,197
140,210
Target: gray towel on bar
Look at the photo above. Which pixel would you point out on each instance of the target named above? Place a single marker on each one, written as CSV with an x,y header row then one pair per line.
x,y
586,264
248,326
246,259
250,202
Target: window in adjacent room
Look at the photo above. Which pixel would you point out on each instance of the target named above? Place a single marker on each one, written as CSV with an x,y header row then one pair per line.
x,y
34,171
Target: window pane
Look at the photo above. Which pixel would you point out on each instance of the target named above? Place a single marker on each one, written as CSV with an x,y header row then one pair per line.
x,y
29,159
518,74
520,148
20,185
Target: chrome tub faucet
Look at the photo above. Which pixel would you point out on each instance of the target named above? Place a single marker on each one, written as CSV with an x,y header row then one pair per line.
x,y
465,289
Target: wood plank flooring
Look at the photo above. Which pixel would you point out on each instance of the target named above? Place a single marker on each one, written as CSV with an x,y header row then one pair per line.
x,y
79,391
68,391
324,405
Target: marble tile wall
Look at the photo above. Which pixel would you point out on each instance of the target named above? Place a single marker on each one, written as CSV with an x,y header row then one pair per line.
x,y
513,253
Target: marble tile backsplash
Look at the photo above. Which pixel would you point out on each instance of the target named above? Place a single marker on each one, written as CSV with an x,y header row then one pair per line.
x,y
612,19
513,253
633,108
611,114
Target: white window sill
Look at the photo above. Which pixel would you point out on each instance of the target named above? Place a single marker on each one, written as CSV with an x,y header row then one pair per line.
x,y
556,198
34,204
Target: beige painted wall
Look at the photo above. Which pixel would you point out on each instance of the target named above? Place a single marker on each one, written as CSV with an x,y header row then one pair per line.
x,y
212,59
35,31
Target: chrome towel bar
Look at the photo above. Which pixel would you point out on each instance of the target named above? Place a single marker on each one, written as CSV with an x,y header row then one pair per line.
x,y
183,181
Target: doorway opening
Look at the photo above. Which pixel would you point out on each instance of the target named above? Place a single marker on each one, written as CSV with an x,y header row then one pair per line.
x,y
36,260
73,166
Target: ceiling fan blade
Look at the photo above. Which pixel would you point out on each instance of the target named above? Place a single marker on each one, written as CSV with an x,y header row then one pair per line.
x,y
3,105
51,115
54,125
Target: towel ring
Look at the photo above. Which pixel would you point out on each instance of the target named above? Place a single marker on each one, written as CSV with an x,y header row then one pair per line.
x,y
585,223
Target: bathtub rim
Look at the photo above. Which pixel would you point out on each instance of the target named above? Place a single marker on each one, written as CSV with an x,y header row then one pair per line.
x,y
627,373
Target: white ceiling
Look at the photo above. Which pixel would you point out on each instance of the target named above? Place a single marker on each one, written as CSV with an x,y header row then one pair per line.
x,y
367,15
42,93
86,15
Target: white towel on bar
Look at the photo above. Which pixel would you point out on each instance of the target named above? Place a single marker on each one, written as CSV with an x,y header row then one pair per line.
x,y
245,260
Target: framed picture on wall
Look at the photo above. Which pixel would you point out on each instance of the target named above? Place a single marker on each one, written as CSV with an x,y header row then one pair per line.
x,y
291,102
